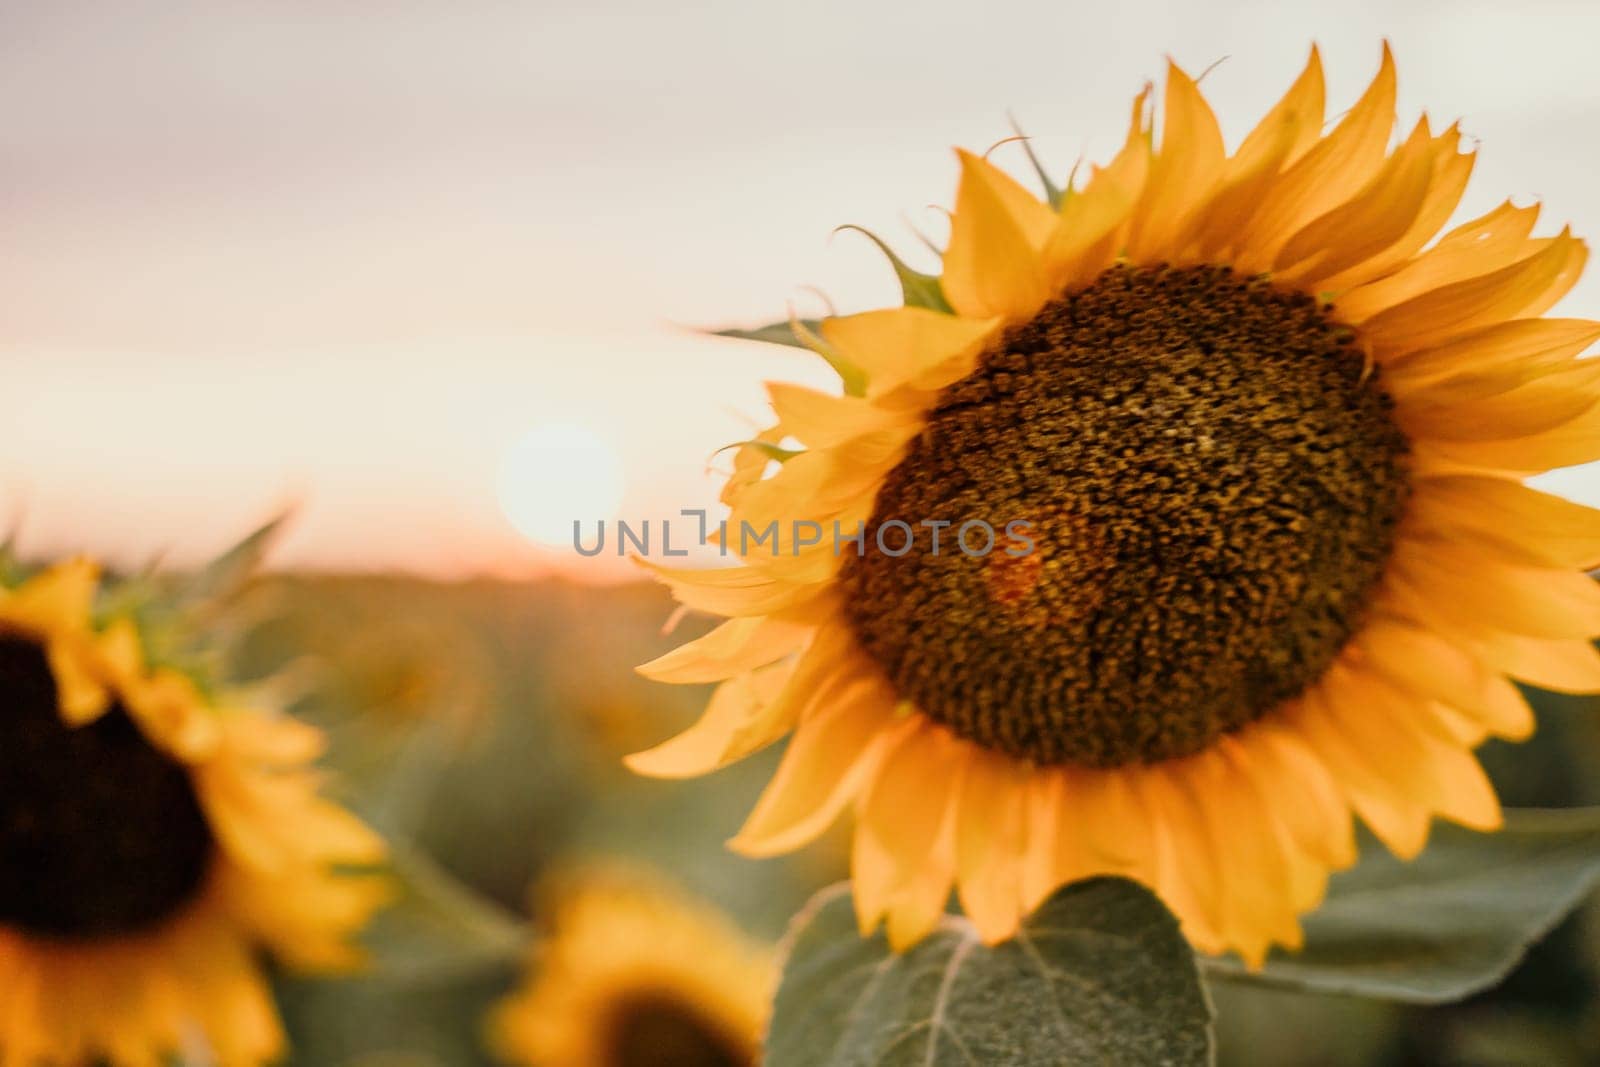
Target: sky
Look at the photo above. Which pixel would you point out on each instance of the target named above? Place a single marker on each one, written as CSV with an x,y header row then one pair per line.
x,y
274,252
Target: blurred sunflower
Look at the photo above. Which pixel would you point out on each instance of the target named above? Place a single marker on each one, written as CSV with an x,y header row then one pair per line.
x,y
1266,440
150,842
635,975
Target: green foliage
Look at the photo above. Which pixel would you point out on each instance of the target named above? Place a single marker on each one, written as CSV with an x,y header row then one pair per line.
x,y
226,575
919,290
1452,922
436,929
1100,974
773,333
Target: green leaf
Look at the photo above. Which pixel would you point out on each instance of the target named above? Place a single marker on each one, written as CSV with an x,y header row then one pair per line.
x,y
1454,921
227,574
438,929
919,290
773,333
1100,974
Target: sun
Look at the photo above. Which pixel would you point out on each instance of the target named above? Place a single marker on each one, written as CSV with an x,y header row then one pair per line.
x,y
556,474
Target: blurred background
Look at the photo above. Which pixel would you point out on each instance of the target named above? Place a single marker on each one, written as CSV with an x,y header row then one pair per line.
x,y
433,271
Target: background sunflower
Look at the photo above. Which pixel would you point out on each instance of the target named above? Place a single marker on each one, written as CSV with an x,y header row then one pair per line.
x,y
156,836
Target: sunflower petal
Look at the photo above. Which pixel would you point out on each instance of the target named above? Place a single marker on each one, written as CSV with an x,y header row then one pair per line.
x,y
1526,524
1488,243
1183,172
1378,216
822,420
1451,171
993,267
1281,137
1525,288
990,832
744,715
1325,175
736,646
828,758
896,345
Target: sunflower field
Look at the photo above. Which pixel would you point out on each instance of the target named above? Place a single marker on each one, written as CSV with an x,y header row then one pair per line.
x,y
1162,630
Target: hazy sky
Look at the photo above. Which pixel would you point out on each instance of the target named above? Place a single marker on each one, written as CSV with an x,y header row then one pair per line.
x,y
261,250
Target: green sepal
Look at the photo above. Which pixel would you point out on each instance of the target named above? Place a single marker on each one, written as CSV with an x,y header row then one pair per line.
x,y
1056,195
802,333
773,333
919,290
766,448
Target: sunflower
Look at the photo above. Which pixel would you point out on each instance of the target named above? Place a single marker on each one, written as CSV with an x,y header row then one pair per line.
x,y
152,841
1245,440
636,975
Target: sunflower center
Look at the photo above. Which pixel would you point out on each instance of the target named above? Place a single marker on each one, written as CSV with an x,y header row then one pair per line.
x,y
100,833
660,1031
1212,480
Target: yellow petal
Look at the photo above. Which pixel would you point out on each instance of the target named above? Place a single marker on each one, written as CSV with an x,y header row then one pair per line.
x,y
1442,777
990,832
745,714
896,345
1086,241
1433,668
1528,525
1182,175
80,695
1377,786
1049,859
736,646
174,715
57,598
1282,136
919,906
1531,601
1451,171
828,759
1533,407
1489,243
1526,288
907,801
1577,441
1375,218
822,420
1326,175
873,880
1188,860
1308,802
1511,351
731,591
992,268
750,462
1257,895
271,740
1115,825
1560,666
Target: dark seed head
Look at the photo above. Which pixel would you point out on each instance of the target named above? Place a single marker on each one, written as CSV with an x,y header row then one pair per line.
x,y
100,833
660,1031
1213,480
